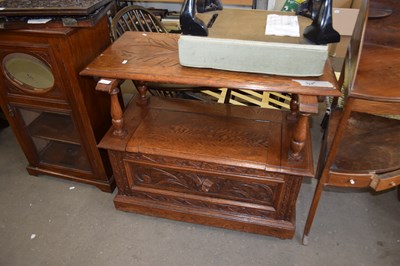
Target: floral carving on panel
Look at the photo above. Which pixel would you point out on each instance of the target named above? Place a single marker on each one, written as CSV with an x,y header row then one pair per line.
x,y
199,183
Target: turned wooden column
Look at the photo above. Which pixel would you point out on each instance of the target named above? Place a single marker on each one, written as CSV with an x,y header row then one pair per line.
x,y
299,136
301,106
143,97
112,87
294,107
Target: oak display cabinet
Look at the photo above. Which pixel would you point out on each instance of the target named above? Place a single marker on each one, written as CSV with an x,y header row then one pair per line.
x,y
56,115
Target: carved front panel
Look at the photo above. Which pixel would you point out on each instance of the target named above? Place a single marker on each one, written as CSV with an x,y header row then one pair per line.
x,y
246,195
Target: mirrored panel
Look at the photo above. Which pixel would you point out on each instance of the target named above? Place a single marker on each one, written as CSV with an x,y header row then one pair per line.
x,y
28,72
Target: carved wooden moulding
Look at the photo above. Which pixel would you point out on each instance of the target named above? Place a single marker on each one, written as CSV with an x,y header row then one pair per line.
x,y
52,7
23,14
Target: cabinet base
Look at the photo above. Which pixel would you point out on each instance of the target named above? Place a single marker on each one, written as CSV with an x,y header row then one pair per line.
x,y
105,186
276,228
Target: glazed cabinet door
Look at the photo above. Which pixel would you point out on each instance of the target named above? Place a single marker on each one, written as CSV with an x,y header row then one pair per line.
x,y
52,141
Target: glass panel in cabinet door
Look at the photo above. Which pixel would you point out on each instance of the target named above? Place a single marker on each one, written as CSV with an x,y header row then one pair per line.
x,y
55,138
28,72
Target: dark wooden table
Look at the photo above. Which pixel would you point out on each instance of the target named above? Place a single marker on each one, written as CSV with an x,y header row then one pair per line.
x,y
221,165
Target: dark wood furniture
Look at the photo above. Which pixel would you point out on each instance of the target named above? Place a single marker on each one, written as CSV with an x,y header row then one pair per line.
x,y
361,147
386,30
222,165
56,115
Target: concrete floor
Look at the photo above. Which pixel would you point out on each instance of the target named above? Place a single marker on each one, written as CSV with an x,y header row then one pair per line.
x,y
49,221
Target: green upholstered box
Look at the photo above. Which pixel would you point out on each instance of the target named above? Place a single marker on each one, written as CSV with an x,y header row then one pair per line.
x,y
237,42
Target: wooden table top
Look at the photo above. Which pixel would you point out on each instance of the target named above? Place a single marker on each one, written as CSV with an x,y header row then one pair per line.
x,y
378,74
153,57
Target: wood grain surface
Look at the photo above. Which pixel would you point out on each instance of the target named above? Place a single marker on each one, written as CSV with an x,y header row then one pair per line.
x,y
154,57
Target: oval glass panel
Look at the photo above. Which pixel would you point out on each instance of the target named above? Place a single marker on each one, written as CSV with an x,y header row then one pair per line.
x,y
29,72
